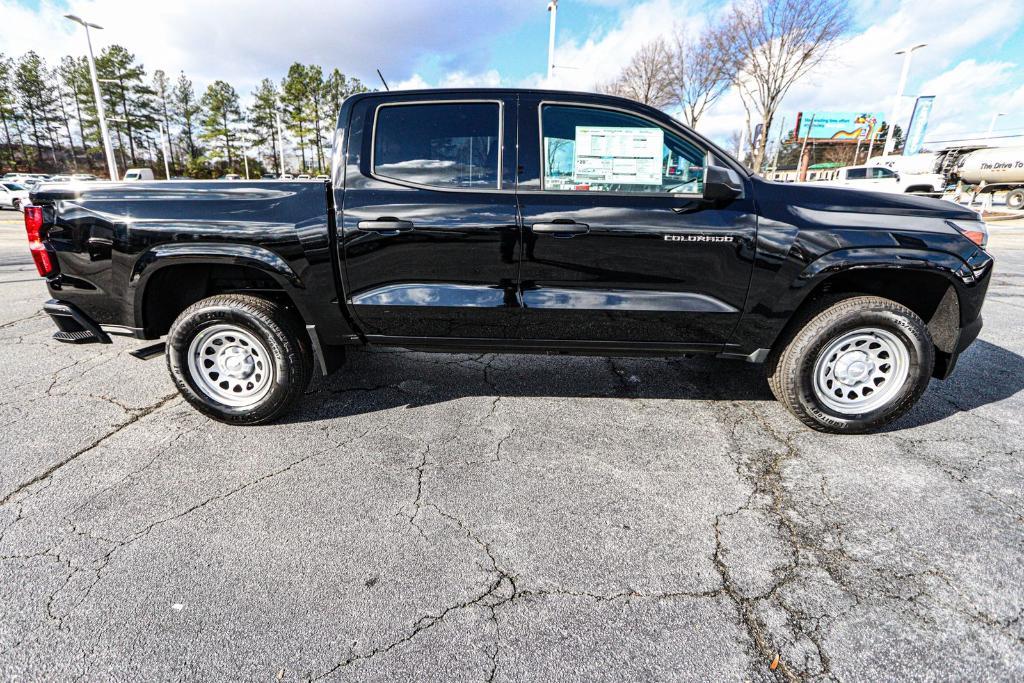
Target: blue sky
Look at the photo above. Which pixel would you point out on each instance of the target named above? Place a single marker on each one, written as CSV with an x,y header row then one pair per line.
x,y
974,63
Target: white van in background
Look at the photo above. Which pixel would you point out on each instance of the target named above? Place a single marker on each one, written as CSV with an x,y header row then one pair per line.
x,y
139,174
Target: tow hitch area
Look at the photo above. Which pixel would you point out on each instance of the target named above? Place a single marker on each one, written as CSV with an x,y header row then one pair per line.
x,y
73,326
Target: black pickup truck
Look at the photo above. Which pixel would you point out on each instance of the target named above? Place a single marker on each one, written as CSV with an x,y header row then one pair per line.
x,y
519,221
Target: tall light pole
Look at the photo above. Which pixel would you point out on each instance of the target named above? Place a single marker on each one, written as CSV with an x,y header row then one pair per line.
x,y
992,125
553,10
280,141
890,138
164,135
111,163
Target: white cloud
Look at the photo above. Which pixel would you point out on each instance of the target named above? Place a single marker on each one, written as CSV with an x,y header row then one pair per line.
x,y
863,72
242,42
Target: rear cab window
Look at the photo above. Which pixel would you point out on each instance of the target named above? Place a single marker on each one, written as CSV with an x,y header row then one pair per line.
x,y
591,149
453,145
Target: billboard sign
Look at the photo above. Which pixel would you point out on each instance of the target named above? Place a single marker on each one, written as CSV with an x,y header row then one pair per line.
x,y
918,125
832,125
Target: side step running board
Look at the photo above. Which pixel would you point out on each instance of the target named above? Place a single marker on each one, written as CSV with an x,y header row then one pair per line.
x,y
147,352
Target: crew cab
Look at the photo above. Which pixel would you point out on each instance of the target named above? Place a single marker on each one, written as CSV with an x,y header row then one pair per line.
x,y
519,221
882,179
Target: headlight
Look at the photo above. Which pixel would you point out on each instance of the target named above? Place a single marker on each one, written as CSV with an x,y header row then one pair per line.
x,y
975,231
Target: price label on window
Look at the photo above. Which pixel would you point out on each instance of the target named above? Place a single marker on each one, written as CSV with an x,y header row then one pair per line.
x,y
618,156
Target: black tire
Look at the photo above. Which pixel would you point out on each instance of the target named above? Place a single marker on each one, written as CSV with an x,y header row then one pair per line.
x,y
16,204
269,325
792,365
1015,199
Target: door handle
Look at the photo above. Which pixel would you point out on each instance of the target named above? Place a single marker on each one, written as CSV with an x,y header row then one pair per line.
x,y
385,225
567,229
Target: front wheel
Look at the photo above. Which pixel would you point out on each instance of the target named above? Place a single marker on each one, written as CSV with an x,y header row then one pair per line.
x,y
855,366
16,204
239,359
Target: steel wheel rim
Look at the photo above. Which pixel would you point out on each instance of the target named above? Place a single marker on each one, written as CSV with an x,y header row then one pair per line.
x,y
861,371
230,365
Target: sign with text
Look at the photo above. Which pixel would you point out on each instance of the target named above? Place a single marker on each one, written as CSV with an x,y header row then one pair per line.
x,y
618,156
832,125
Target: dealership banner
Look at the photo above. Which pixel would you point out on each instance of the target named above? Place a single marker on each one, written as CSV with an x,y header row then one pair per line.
x,y
918,125
832,125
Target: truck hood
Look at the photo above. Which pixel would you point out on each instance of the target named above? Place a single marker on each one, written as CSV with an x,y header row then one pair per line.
x,y
845,200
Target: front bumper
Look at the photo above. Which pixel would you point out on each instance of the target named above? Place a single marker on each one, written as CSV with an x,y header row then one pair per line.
x,y
74,326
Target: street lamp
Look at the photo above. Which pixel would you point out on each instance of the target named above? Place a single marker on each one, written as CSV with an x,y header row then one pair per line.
x,y
992,124
553,9
280,141
163,145
890,138
111,163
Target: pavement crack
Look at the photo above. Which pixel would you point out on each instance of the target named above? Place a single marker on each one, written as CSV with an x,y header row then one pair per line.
x,y
53,469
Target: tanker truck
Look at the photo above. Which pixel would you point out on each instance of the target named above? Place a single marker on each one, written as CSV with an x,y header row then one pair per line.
x,y
1000,168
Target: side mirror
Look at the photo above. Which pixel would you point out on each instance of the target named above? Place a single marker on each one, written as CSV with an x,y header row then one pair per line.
x,y
897,176
721,183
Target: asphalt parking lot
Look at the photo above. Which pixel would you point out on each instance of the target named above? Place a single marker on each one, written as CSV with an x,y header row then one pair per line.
x,y
458,517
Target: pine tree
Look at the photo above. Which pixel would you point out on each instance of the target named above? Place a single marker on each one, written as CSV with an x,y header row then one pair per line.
x,y
336,88
7,104
263,119
162,88
221,115
295,102
34,98
128,95
74,74
186,108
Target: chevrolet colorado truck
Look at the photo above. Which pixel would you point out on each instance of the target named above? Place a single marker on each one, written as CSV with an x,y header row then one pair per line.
x,y
518,221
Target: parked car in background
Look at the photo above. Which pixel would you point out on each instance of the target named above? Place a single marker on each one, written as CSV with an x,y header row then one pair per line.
x,y
323,176
230,176
883,179
269,176
139,174
83,177
521,221
13,195
303,176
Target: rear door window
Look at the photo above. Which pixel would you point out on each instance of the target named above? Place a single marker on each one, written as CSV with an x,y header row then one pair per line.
x,y
857,174
449,145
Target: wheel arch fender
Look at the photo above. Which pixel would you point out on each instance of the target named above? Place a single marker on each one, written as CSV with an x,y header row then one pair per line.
x,y
925,281
160,257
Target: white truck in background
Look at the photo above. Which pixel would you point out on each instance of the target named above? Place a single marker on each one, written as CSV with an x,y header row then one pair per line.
x,y
883,179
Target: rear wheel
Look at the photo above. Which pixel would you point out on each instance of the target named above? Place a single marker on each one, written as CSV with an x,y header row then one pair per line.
x,y
854,366
16,204
239,359
1015,199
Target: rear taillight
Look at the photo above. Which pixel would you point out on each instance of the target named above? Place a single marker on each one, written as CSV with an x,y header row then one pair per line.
x,y
34,228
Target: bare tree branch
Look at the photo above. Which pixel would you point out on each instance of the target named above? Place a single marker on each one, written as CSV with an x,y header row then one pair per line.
x,y
781,41
702,69
646,78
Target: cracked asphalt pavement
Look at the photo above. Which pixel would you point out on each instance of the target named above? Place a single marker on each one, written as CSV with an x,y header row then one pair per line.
x,y
493,517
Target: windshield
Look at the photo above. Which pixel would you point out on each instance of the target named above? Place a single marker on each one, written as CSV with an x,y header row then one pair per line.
x,y
14,186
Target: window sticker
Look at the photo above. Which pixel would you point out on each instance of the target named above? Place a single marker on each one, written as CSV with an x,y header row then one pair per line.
x,y
620,156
